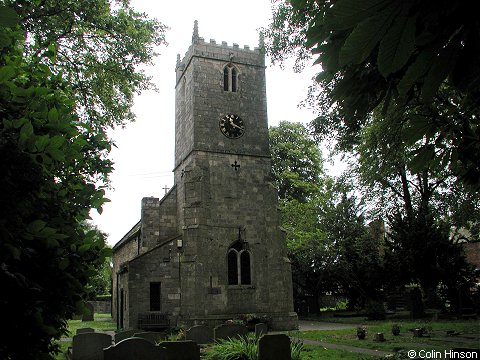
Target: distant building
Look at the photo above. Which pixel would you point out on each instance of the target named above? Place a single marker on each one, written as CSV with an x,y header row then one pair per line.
x,y
212,248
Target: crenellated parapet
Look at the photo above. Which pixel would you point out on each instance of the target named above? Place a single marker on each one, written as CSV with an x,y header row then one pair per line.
x,y
220,51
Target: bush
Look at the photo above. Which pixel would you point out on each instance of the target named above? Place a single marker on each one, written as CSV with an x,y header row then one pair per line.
x,y
234,349
244,348
375,310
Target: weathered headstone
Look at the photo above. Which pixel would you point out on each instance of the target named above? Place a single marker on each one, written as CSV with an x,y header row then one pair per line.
x,y
85,330
180,350
125,334
260,329
88,314
200,334
152,336
89,346
274,347
134,348
231,331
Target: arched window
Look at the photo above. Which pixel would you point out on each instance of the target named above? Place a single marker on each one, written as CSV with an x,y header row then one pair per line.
x,y
234,79
232,267
245,268
226,79
230,78
238,262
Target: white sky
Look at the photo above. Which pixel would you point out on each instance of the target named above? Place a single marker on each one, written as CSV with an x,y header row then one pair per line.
x,y
145,149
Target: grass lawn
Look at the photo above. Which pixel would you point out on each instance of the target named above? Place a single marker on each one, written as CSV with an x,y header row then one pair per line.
x,y
102,322
436,338
468,335
321,353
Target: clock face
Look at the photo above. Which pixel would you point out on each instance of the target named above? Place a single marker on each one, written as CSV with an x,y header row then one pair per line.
x,y
232,126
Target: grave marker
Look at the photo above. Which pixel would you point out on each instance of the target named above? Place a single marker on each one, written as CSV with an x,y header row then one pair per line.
x,y
134,348
180,350
275,347
89,346
152,336
260,329
125,334
231,331
200,334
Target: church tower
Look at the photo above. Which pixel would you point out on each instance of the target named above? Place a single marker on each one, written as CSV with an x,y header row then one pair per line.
x,y
234,250
212,248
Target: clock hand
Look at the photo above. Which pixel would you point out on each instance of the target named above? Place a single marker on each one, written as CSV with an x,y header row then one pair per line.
x,y
234,125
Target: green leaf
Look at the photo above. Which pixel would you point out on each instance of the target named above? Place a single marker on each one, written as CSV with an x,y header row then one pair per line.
x,y
422,159
5,40
416,71
15,251
63,264
53,115
36,226
7,72
55,153
346,14
397,45
417,127
17,123
366,35
52,243
57,141
8,17
41,142
83,248
26,131
442,65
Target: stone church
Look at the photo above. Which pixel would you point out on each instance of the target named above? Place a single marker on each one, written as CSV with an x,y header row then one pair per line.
x,y
212,248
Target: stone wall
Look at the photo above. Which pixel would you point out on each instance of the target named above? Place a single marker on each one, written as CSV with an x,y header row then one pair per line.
x,y
123,251
160,264
102,306
201,101
213,213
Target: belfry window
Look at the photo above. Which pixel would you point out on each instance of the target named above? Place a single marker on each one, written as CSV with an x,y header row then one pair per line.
x,y
238,262
230,78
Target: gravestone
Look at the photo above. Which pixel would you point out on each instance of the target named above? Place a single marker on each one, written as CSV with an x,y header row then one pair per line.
x,y
125,334
260,329
89,346
200,334
180,350
134,348
88,314
152,336
231,331
274,347
85,330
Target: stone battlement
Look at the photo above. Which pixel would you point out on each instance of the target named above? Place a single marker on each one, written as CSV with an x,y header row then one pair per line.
x,y
221,52
224,44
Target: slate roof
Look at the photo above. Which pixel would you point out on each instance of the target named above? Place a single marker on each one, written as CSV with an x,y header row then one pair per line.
x,y
128,236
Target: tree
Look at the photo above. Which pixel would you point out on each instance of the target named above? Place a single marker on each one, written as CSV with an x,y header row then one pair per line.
x,y
390,56
54,168
297,161
423,204
101,282
99,48
329,245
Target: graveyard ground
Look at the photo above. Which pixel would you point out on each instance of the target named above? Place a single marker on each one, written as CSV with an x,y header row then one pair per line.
x,y
440,335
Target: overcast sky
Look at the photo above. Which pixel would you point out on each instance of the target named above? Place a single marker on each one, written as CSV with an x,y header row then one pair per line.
x,y
145,149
